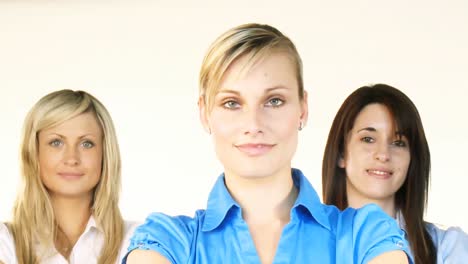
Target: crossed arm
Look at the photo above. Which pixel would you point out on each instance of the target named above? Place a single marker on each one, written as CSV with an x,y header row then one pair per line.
x,y
392,257
151,257
138,256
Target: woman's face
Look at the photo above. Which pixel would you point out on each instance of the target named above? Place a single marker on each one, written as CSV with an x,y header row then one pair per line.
x,y
376,158
70,156
255,117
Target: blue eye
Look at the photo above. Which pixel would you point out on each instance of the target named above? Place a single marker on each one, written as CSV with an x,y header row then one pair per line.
x,y
367,140
231,104
56,143
87,144
275,102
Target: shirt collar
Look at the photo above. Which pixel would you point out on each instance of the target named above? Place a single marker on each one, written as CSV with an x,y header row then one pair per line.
x,y
308,199
51,251
400,220
220,202
92,225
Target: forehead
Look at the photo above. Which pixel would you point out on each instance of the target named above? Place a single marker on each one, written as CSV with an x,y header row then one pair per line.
x,y
375,115
273,70
79,125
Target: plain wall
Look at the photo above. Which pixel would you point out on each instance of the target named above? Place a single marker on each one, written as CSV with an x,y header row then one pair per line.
x,y
142,58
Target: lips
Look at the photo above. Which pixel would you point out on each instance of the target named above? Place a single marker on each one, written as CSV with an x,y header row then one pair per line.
x,y
255,149
71,175
380,173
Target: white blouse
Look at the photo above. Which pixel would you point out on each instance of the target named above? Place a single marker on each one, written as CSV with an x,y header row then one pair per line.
x,y
86,249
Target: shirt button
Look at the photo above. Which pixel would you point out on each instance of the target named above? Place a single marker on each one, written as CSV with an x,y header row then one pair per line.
x,y
400,244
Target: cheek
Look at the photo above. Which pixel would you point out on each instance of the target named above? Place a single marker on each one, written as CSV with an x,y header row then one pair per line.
x,y
405,160
288,134
289,126
353,155
349,165
224,129
285,125
357,159
48,161
93,162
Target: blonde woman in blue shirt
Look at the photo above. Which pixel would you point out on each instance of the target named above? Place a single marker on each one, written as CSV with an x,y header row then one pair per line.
x,y
253,104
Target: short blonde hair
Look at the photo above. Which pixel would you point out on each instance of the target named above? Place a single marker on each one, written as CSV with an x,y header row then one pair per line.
x,y
33,215
253,40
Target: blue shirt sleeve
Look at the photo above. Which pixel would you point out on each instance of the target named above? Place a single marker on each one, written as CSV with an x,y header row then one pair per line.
x,y
451,243
169,236
373,233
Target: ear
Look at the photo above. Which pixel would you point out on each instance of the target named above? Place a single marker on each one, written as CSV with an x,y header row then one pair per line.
x,y
203,114
341,162
304,109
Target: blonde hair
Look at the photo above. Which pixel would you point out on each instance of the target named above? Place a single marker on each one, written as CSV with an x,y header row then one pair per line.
x,y
253,40
33,216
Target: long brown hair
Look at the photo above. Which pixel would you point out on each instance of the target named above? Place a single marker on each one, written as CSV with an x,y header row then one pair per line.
x,y
411,198
33,215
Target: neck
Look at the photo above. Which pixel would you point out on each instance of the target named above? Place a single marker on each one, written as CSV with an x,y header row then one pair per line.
x,y
264,199
387,205
71,214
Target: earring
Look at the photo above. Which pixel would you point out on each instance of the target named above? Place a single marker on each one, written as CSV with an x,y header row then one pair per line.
x,y
300,126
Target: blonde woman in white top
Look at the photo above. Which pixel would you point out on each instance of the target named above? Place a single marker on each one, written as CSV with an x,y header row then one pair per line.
x,y
67,209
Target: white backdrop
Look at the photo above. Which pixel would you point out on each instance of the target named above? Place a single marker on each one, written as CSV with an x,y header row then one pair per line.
x,y
141,59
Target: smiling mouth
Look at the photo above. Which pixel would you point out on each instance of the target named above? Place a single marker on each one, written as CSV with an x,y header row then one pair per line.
x,y
254,150
382,174
70,175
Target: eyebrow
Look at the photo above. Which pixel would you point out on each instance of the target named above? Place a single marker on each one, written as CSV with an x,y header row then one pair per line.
x,y
372,129
227,91
278,87
62,136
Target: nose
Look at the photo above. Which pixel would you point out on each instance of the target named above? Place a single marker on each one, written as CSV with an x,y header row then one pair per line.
x,y
253,121
71,156
382,154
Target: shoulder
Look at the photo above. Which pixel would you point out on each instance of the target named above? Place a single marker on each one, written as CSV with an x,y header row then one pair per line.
x,y
451,242
170,236
369,217
157,223
4,232
356,219
371,231
372,214
7,245
333,215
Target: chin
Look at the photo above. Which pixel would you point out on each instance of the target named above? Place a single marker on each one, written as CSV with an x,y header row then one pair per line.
x,y
253,172
382,195
253,167
72,193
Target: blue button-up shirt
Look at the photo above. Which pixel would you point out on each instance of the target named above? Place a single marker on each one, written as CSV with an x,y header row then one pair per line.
x,y
316,233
